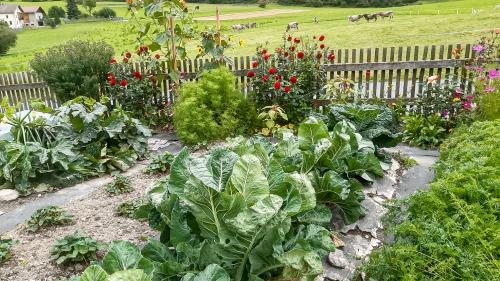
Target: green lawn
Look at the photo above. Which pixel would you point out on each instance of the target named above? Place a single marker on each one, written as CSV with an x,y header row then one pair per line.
x,y
424,24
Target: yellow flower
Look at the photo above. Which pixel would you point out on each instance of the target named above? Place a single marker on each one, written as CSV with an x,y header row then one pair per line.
x,y
456,99
265,131
199,50
242,42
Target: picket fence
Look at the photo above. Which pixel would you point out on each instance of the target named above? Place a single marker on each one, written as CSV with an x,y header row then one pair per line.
x,y
394,73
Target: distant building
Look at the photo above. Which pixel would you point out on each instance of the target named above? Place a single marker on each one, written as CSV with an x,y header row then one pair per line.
x,y
12,14
33,16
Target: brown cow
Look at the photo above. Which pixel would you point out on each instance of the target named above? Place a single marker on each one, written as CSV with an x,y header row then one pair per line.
x,y
369,17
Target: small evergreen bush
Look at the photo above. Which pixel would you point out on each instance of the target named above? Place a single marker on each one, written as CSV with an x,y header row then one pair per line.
x,y
212,108
105,12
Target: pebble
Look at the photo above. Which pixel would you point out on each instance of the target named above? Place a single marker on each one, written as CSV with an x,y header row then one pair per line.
x,y
8,194
337,259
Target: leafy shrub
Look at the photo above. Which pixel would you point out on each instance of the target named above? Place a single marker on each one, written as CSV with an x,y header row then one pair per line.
x,y
426,132
56,12
106,13
378,123
8,37
75,68
136,90
48,216
290,77
130,207
75,248
81,138
449,232
120,184
5,245
212,109
160,163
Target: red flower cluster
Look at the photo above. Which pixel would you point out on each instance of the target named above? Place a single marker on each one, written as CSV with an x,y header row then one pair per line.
x,y
255,64
137,75
142,49
112,61
111,79
331,57
123,82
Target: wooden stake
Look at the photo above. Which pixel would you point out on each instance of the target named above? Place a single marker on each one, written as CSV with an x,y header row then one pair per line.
x,y
174,55
217,18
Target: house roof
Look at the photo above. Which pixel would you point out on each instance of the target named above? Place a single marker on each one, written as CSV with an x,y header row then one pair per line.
x,y
32,9
9,8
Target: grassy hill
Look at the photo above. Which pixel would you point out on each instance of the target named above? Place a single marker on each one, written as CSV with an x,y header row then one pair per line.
x,y
431,22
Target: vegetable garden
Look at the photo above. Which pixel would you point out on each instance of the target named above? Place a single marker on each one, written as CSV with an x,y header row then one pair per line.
x,y
265,181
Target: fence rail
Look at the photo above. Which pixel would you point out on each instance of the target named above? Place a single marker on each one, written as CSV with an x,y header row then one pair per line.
x,y
395,73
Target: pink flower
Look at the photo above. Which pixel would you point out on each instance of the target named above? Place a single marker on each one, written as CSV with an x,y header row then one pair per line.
x,y
493,73
469,98
445,113
479,69
489,89
478,48
467,104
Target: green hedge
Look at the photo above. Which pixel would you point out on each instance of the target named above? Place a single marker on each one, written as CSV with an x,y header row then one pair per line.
x,y
451,231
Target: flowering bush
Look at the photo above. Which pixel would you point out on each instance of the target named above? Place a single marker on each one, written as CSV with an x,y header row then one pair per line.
x,y
291,76
486,76
136,90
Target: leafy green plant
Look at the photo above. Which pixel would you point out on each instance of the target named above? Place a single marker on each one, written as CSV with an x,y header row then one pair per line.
x,y
87,62
269,116
81,138
160,164
5,245
426,132
406,162
8,37
105,12
212,108
378,123
449,232
48,216
129,208
120,184
75,248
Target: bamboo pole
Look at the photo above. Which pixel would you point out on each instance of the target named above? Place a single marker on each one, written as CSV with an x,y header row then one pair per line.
x,y
175,83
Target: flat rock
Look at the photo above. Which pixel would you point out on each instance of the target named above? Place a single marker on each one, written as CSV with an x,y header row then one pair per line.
x,y
337,259
359,246
8,194
371,222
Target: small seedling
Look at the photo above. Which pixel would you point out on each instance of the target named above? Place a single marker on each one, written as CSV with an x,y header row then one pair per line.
x,y
119,185
5,245
75,248
129,208
160,164
48,216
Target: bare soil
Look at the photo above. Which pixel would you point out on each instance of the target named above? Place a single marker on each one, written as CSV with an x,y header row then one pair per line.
x,y
249,15
94,215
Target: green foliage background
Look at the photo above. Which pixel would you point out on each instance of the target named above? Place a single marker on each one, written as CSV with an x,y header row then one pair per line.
x,y
450,232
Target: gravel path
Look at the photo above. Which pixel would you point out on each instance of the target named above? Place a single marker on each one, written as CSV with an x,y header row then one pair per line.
x,y
94,215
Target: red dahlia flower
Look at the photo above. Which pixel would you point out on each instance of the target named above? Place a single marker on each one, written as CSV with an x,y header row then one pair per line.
x,y
296,40
137,75
289,38
125,59
322,46
112,61
331,57
321,38
277,77
277,85
292,48
112,81
128,54
266,57
287,88
255,63
264,51
272,70
300,55
265,77
250,74
286,54
123,82
319,55
157,56
293,79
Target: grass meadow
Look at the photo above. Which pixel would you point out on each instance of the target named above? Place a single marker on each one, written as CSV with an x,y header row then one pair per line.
x,y
430,22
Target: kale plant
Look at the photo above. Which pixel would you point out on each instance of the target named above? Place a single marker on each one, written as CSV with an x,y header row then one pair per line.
x,y
75,248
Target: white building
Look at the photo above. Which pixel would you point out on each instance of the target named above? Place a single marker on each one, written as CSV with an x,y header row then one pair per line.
x,y
33,16
12,15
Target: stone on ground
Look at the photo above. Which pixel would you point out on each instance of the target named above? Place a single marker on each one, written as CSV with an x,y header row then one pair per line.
x,y
8,194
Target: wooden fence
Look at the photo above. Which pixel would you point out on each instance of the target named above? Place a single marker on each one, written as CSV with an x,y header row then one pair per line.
x,y
395,73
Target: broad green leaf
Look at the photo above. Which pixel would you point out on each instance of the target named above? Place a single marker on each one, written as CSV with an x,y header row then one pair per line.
x,y
249,180
129,275
156,251
311,131
122,255
94,273
212,272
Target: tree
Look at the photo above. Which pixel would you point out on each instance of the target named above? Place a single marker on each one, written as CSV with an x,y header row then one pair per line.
x,y
52,22
72,9
8,38
75,68
105,13
89,5
56,12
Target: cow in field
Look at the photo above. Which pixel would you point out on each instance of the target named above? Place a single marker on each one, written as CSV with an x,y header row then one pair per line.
x,y
387,14
354,18
292,25
238,27
253,25
369,17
